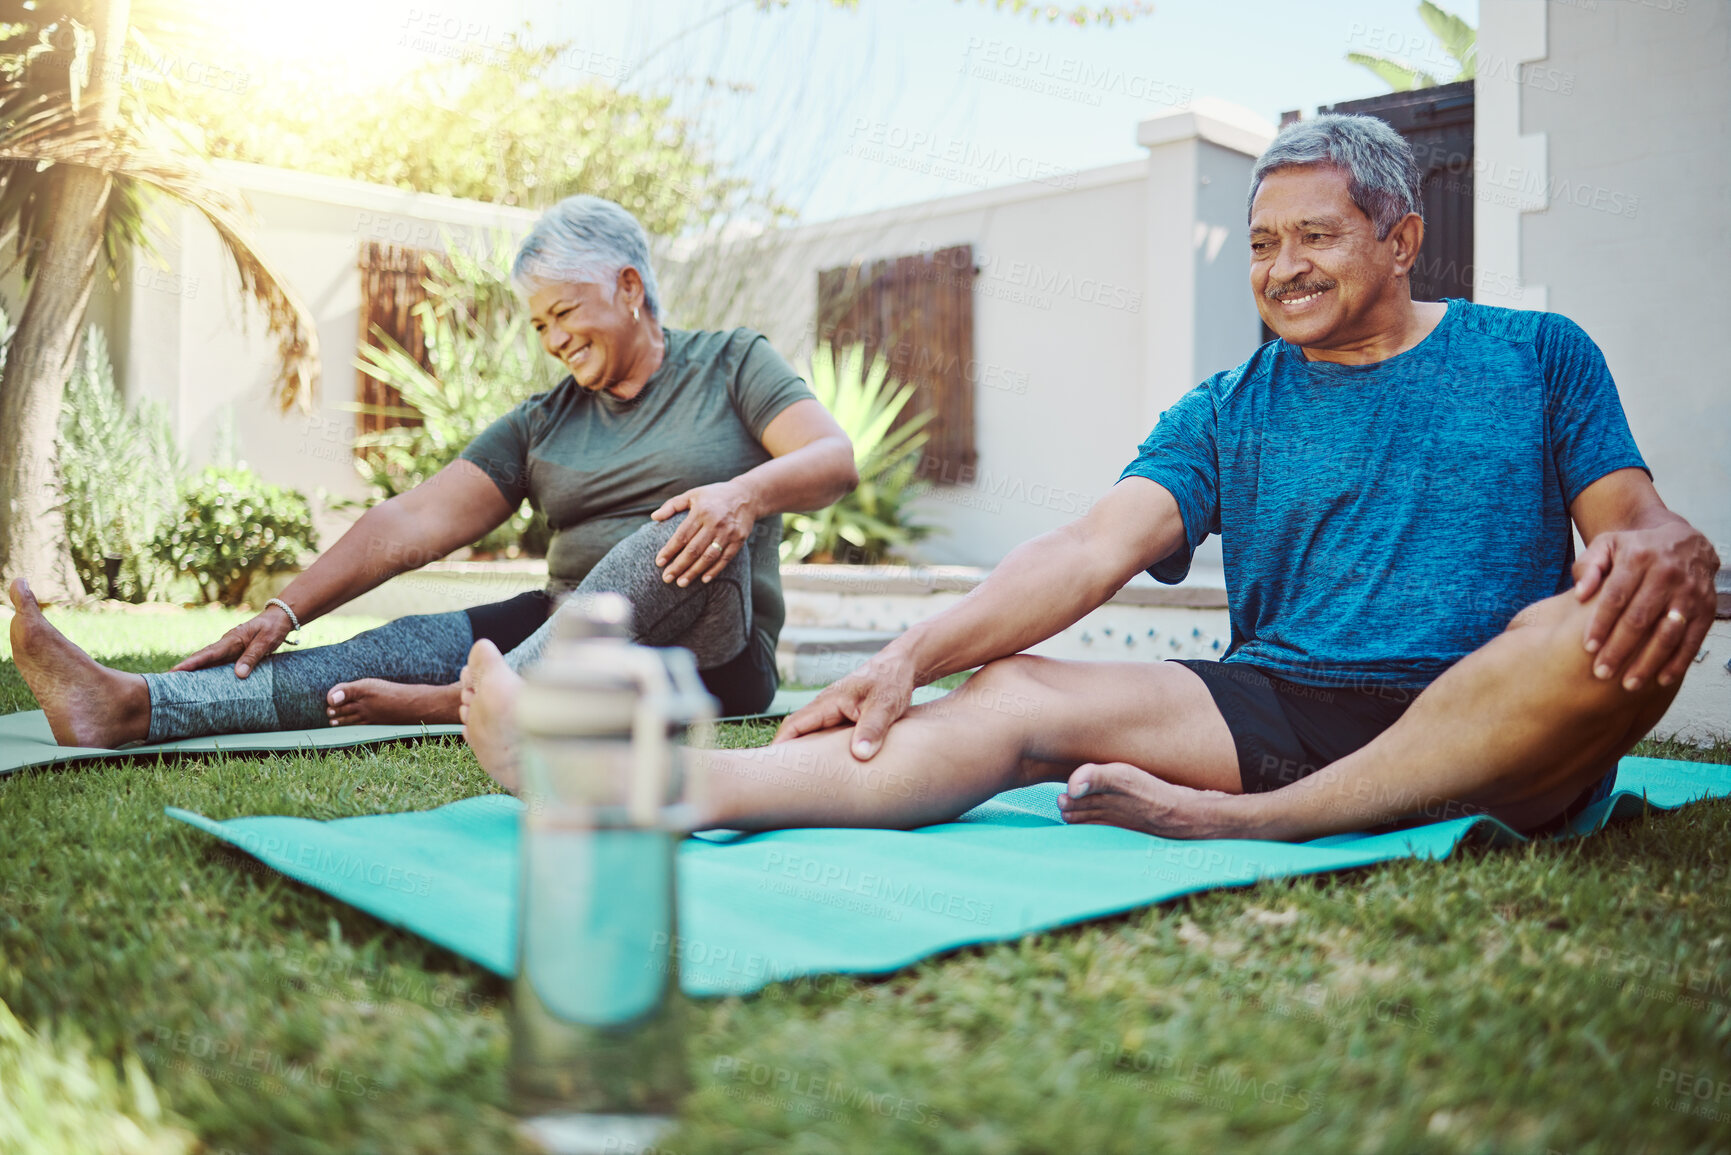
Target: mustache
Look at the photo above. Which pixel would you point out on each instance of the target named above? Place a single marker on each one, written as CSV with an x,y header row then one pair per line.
x,y
1297,289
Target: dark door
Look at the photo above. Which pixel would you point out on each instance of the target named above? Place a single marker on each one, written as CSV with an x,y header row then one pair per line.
x,y
1438,123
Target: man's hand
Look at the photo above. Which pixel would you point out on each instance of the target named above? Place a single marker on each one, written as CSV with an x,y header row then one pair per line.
x,y
873,697
1655,601
252,641
719,519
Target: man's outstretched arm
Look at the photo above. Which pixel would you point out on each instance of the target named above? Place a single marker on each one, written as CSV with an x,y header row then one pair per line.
x,y
1040,588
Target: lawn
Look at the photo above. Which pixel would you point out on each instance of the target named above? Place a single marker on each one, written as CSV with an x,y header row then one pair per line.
x,y
1563,997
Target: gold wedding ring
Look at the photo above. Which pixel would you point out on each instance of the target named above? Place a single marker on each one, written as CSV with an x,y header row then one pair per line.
x,y
716,546
1676,615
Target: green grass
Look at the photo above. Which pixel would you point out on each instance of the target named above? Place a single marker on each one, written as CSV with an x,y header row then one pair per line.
x,y
1538,999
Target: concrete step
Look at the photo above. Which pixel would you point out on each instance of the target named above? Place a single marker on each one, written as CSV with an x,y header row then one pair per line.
x,y
818,655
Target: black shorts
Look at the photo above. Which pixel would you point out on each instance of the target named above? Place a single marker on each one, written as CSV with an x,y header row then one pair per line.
x,y
1286,730
743,685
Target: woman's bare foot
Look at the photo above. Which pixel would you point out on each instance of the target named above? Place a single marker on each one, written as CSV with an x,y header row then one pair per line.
x,y
87,704
488,710
376,702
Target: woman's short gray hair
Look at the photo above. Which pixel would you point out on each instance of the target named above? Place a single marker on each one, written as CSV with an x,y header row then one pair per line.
x,y
1385,182
585,240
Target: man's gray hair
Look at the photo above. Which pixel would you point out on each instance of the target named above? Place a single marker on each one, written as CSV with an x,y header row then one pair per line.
x,y
1384,178
585,240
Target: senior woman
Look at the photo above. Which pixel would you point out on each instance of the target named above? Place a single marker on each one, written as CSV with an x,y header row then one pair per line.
x,y
663,463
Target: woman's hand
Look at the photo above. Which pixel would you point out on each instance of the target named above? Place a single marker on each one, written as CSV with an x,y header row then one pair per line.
x,y
252,641
719,518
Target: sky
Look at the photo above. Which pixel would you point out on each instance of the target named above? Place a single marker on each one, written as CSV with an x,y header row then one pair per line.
x,y
844,111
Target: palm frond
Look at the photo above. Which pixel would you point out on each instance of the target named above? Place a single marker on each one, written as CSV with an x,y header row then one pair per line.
x,y
1400,77
55,137
1458,38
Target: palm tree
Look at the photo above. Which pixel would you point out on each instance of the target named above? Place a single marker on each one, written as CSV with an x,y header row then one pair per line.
x,y
1457,38
75,169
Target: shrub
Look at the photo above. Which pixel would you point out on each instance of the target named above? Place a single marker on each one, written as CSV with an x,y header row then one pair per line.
x,y
232,527
117,469
870,524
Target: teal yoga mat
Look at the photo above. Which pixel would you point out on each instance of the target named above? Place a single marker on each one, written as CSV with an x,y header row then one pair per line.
x,y
26,741
758,908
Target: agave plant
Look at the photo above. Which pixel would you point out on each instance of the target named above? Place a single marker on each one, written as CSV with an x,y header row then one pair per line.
x,y
869,524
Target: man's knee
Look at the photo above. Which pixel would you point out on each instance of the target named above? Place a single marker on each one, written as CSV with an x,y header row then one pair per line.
x,y
1555,629
1015,686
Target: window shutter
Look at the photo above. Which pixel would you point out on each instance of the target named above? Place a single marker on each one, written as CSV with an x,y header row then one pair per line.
x,y
918,312
390,289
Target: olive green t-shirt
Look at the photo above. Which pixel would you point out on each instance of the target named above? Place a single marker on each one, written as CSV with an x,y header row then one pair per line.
x,y
598,466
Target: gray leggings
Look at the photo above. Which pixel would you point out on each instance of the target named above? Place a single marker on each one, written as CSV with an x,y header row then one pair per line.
x,y
287,690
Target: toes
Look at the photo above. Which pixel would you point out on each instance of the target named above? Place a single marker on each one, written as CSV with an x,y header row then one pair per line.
x,y
22,599
337,695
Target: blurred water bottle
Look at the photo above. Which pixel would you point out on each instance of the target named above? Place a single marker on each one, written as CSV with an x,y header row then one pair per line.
x,y
596,1011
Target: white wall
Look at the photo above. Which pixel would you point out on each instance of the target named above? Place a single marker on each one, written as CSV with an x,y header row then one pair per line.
x,y
1102,297
183,335
1603,154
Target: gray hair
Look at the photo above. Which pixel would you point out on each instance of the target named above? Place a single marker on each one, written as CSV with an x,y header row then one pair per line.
x,y
585,240
1384,181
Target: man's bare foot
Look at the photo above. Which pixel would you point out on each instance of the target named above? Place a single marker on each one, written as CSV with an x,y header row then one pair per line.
x,y
87,704
376,702
1119,794
488,710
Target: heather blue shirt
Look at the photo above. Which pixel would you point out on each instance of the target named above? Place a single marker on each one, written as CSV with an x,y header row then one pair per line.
x,y
1379,522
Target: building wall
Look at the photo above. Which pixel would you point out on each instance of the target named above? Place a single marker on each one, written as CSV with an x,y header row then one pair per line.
x,y
1604,153
1102,297
183,335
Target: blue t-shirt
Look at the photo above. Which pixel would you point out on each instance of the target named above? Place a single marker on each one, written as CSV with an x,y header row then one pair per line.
x,y
1379,522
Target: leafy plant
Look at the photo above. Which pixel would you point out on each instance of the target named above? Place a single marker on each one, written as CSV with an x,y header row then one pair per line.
x,y
62,1099
118,470
234,526
501,125
1457,38
869,524
485,359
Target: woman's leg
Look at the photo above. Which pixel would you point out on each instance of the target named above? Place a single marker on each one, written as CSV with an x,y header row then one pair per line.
x,y
379,701
711,619
287,691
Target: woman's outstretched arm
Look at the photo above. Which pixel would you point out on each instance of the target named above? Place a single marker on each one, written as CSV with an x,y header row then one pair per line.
x,y
454,507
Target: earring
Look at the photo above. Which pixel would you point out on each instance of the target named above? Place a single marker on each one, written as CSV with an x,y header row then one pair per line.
x,y
634,312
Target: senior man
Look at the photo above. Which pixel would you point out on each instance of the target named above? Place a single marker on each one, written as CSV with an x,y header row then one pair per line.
x,y
1393,483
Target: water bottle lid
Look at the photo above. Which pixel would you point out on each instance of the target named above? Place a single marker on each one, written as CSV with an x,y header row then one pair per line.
x,y
586,616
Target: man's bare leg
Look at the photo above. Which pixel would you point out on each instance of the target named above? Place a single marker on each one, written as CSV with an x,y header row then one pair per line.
x,y
1517,729
87,703
1018,721
377,702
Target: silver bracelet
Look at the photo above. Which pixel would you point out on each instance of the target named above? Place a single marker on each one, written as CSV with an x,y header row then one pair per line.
x,y
289,639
